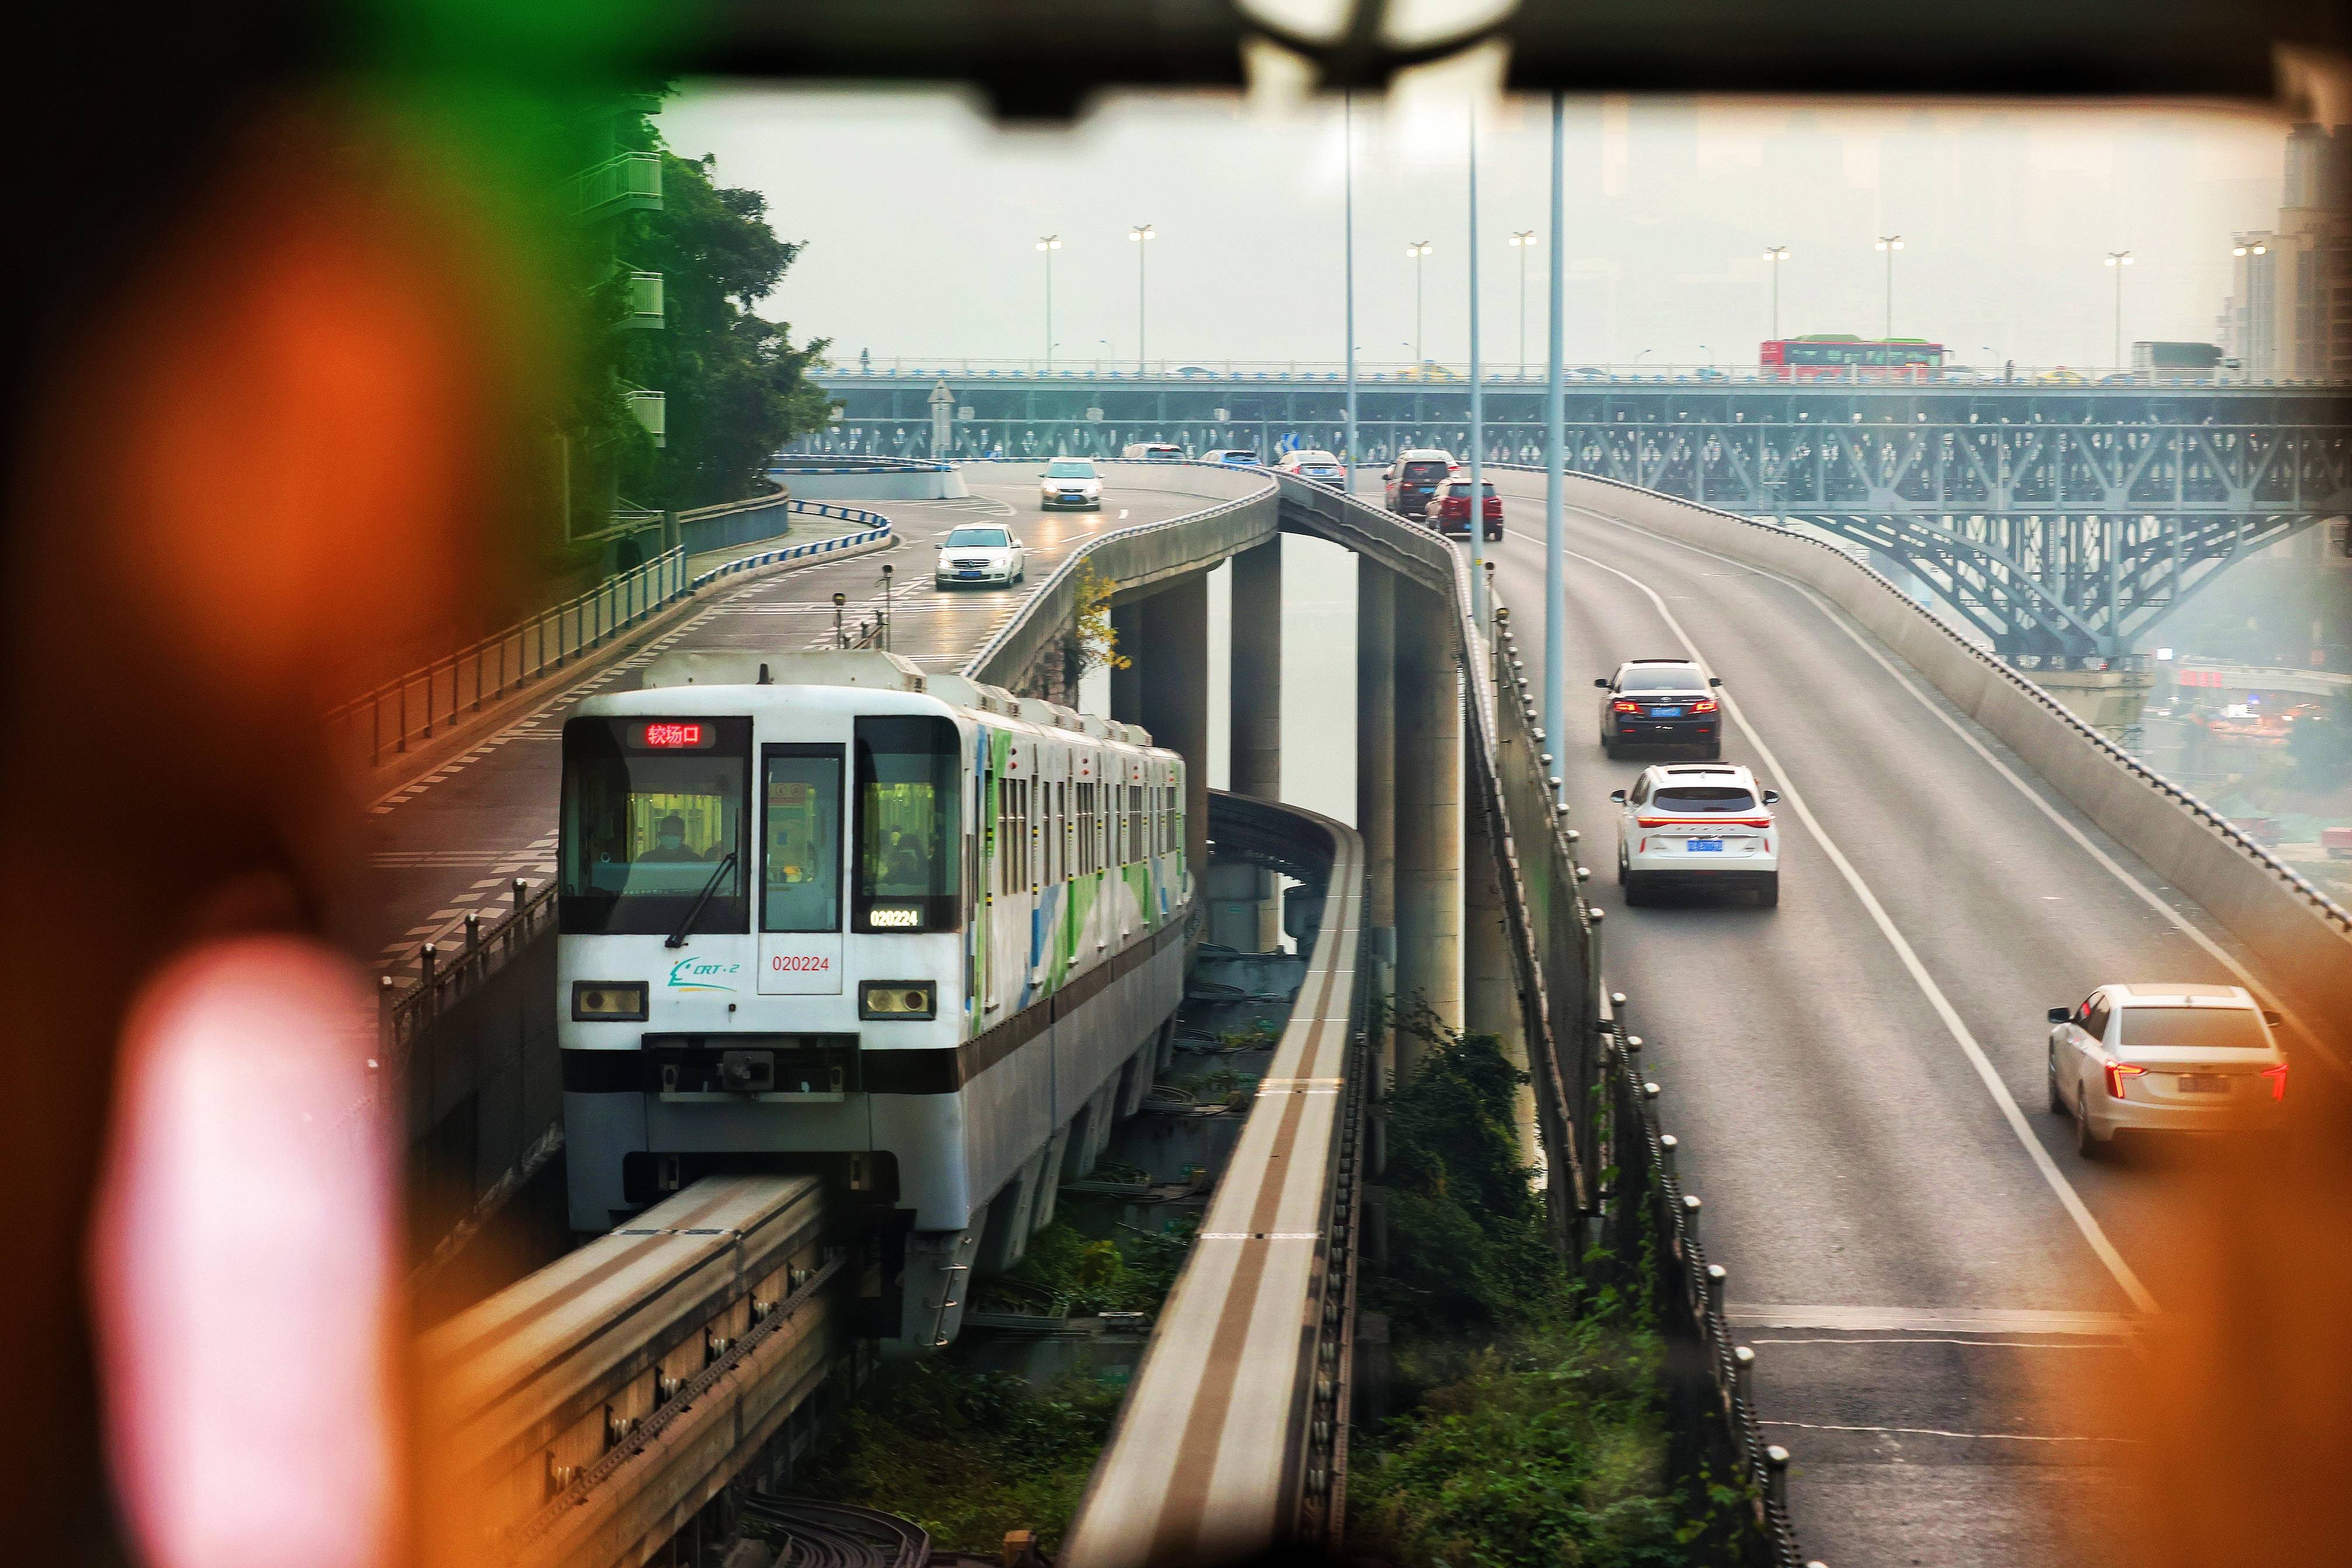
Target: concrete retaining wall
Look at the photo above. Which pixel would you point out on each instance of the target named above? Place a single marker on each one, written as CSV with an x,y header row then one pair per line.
x,y
2299,937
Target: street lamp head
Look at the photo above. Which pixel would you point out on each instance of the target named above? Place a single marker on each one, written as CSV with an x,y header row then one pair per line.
x,y
1050,242
2119,258
1142,231
1776,253
1419,247
1523,237
1890,242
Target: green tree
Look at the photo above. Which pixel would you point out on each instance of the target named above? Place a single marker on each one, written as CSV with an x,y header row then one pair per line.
x,y
737,386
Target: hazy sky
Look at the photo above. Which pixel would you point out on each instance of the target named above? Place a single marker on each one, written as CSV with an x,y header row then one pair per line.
x,y
922,219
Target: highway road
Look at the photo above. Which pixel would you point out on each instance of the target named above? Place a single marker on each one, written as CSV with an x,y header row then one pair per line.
x,y
454,828
1939,1291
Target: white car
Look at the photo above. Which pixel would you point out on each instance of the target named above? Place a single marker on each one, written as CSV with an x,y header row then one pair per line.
x,y
1311,463
1152,452
981,552
1070,482
2165,1058
1233,457
1703,825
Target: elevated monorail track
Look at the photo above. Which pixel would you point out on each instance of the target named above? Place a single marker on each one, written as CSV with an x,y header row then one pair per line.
x,y
1235,1436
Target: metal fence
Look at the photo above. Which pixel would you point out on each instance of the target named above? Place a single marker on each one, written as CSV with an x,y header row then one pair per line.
x,y
438,695
444,978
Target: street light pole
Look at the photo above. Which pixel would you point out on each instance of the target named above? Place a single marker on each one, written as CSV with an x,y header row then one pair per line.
x,y
1890,243
1477,407
1049,243
1523,240
2118,261
1417,249
1348,145
1141,233
1555,710
1775,255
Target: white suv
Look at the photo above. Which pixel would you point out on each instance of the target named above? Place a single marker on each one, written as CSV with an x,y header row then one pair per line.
x,y
1700,825
1069,481
2165,1058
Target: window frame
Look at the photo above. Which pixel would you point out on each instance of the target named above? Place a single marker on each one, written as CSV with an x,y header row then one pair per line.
x,y
837,753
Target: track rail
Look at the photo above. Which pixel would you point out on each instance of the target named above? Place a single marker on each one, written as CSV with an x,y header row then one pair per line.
x,y
1232,1440
582,1416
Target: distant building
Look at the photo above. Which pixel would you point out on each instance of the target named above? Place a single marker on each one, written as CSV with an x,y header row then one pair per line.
x,y
2289,314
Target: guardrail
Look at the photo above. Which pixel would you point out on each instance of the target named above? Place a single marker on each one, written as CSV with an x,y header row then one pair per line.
x,y
791,462
440,694
1456,374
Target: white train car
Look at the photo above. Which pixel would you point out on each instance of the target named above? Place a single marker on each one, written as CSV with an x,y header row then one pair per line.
x,y
820,911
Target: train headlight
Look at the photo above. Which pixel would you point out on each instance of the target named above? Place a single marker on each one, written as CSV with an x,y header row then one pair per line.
x,y
897,999
608,1002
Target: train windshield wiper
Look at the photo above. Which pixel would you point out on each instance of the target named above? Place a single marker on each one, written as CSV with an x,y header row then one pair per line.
x,y
677,937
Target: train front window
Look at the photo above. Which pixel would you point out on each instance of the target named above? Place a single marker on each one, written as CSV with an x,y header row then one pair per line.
x,y
800,794
910,832
652,810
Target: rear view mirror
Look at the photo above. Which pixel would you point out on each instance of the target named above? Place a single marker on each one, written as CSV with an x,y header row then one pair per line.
x,y
1601,681
2272,1016
1715,680
1618,795
2060,1015
1771,797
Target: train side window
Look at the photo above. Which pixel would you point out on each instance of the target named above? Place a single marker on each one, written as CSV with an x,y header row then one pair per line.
x,y
909,860
799,803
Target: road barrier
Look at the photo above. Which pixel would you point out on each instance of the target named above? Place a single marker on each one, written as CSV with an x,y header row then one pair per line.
x,y
440,694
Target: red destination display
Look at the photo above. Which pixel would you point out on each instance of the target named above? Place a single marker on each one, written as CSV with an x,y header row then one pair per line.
x,y
676,736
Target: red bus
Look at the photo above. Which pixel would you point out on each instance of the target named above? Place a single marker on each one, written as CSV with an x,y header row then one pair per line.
x,y
1842,356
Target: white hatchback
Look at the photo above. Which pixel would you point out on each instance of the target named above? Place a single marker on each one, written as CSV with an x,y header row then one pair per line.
x,y
1698,825
1070,482
980,554
2165,1058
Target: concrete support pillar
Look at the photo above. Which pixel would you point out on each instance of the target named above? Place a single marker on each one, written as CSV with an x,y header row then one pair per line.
x,y
1490,1000
1428,813
1256,675
1127,685
1173,677
1376,779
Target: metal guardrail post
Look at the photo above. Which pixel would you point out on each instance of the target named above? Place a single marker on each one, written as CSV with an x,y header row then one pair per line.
x,y
425,959
520,887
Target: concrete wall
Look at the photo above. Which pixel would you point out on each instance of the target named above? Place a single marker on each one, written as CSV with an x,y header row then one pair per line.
x,y
2306,945
920,484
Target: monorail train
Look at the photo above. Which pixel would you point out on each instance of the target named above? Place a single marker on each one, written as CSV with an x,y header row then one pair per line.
x,y
823,911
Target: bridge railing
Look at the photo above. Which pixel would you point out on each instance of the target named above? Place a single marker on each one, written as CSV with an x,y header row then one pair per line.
x,y
438,696
1533,378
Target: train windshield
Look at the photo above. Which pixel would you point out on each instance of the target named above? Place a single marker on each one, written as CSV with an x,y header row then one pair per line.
x,y
652,808
800,881
910,837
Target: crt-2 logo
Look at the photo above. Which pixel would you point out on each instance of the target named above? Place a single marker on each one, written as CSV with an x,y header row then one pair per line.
x,y
702,974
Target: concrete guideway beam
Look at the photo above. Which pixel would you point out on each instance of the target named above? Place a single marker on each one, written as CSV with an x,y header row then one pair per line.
x,y
1376,762
1171,693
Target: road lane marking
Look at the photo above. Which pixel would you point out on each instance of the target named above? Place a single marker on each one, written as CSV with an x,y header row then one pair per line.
x,y
1946,1320
1938,1432
2147,895
2068,1198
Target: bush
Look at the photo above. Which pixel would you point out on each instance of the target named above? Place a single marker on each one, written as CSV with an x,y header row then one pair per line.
x,y
1549,1448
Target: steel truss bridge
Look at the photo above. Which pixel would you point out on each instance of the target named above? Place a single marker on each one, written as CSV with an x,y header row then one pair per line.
x,y
2061,521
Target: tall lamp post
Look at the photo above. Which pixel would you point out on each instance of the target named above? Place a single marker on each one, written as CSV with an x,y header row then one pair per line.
x,y
1049,243
1417,249
1141,233
1890,243
1555,707
1523,240
1776,255
1477,409
2116,261
1347,147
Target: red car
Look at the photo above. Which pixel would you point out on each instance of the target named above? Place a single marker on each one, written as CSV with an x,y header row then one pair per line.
x,y
1449,509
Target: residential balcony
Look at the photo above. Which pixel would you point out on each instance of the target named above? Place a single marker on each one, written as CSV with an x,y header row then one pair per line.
x,y
626,184
645,301
652,410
